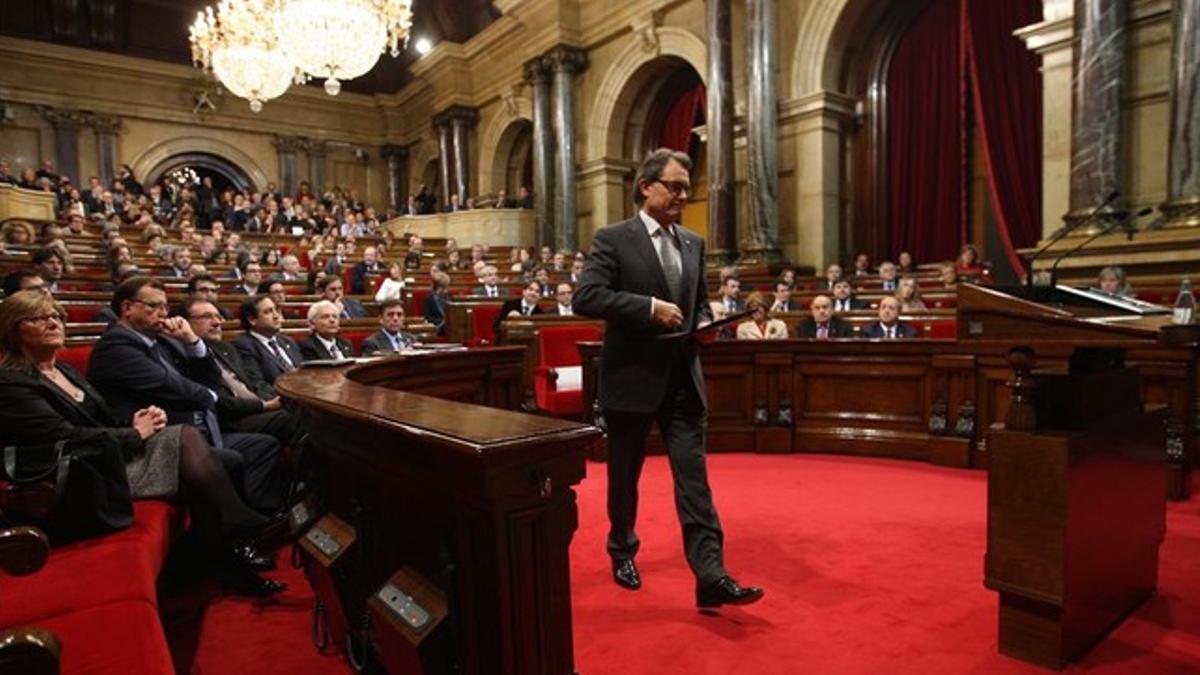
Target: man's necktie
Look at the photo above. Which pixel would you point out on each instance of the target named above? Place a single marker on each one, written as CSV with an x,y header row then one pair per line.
x,y
823,331
233,383
335,352
284,361
205,419
669,256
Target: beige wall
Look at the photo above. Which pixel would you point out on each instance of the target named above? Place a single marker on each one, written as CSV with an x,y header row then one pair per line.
x,y
816,40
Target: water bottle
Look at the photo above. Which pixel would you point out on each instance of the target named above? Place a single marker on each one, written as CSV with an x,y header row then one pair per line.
x,y
1185,304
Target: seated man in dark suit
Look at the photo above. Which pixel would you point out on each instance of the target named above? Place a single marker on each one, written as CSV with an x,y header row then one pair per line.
x,y
783,298
205,286
266,353
730,288
490,281
251,278
412,259
324,343
823,324
148,359
391,338
889,326
843,296
368,265
434,306
239,407
525,305
331,289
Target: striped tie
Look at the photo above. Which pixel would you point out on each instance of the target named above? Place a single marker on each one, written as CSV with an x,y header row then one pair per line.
x,y
669,256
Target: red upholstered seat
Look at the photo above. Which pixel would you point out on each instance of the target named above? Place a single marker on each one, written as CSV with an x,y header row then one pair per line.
x,y
117,638
356,338
81,313
483,318
416,302
77,356
558,349
942,328
943,303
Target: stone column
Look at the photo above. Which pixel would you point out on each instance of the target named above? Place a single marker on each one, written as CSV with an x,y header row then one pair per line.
x,y
66,124
461,121
285,148
1098,81
106,127
537,72
316,162
396,157
445,154
566,62
1182,208
722,209
760,241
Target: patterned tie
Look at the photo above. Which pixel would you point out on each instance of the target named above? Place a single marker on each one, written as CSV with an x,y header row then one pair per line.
x,y
284,361
823,331
669,256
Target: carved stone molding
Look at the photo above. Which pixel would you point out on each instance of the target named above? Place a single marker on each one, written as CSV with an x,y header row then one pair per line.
x,y
289,144
461,113
646,29
567,59
63,119
397,151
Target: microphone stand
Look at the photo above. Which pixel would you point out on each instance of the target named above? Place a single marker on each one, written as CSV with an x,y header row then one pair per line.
x,y
1064,232
1123,224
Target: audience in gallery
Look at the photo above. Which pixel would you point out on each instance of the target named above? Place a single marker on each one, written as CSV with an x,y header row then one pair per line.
x,y
760,326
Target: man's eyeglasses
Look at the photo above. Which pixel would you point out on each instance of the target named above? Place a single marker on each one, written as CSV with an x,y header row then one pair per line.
x,y
160,306
676,188
208,316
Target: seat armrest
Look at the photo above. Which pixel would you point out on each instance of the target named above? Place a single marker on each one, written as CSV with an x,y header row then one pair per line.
x,y
23,550
29,651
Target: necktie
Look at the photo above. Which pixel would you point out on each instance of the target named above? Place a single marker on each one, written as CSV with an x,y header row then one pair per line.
x,y
891,332
284,361
525,310
233,383
823,331
205,419
397,343
669,257
335,352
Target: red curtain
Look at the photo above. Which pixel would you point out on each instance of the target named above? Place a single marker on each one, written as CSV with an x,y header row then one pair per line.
x,y
677,127
1008,106
959,53
925,129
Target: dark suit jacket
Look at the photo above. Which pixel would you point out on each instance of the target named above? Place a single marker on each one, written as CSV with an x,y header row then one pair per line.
x,y
482,291
358,276
621,274
262,367
513,305
381,344
313,350
230,406
855,303
838,328
875,330
130,376
352,309
33,411
434,311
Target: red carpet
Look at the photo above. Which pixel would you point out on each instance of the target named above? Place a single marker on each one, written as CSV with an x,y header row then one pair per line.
x,y
870,566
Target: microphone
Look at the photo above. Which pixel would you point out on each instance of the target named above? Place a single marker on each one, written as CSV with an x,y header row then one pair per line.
x,y
1122,223
1064,231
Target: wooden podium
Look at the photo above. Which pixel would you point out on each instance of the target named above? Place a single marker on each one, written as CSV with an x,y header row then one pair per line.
x,y
1076,507
475,498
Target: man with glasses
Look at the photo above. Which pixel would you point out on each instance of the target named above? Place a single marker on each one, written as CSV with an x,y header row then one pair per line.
x,y
266,352
148,358
205,286
645,278
562,300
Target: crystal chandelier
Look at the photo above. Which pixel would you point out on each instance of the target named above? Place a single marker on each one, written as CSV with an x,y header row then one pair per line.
x,y
238,44
341,39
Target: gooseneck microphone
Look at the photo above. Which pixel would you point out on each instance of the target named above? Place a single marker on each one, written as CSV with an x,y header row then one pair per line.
x,y
1068,229
1123,223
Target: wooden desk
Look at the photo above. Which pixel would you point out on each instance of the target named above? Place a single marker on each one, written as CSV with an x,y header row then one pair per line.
x,y
478,499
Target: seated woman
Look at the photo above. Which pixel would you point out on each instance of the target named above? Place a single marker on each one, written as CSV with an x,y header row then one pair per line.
x,y
760,326
1112,280
44,401
392,287
908,292
968,266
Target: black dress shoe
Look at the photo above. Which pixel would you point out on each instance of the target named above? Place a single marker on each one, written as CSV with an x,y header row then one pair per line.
x,y
626,575
726,591
251,557
245,582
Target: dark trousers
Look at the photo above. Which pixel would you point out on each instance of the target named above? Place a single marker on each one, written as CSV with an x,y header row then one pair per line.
x,y
280,424
681,421
254,464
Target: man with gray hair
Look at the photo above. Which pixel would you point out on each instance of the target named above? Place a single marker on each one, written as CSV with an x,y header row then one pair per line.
x,y
324,343
645,278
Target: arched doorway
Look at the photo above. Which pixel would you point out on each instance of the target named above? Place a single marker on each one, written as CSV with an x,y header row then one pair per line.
x,y
512,165
184,166
431,176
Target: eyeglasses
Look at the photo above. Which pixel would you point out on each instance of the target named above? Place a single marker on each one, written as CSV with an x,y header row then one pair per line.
x,y
208,316
153,306
44,318
676,188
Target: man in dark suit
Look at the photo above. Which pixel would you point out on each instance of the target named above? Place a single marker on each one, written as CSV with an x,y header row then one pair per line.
x,y
525,305
251,278
324,344
266,353
332,289
645,277
823,325
730,288
887,276
490,283
433,308
889,326
783,298
502,201
843,297
147,359
368,265
391,338
239,406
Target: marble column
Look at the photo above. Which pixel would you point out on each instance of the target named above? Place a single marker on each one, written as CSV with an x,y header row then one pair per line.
x,y
66,125
537,72
1096,119
1182,208
285,148
760,240
397,166
566,62
106,127
316,163
722,209
445,155
461,121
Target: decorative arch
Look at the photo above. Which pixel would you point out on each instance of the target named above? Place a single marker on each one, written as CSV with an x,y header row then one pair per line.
x,y
632,70
826,32
422,154
154,158
495,143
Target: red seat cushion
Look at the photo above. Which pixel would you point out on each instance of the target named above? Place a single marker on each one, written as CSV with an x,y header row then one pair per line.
x,y
122,566
559,347
356,337
483,320
416,302
943,328
77,356
113,639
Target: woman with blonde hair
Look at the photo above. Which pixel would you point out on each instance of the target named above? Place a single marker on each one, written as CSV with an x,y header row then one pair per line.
x,y
17,233
908,293
760,326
